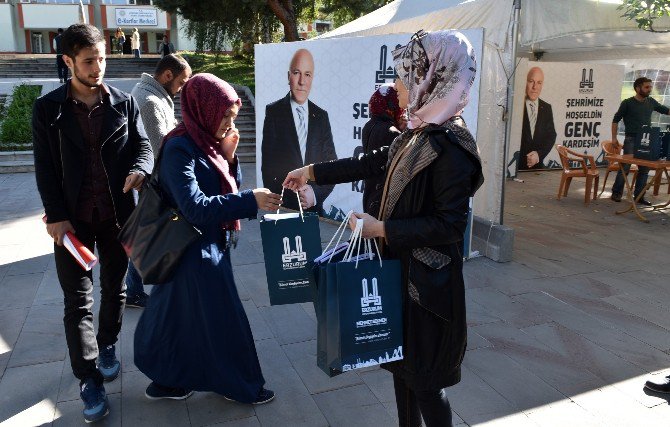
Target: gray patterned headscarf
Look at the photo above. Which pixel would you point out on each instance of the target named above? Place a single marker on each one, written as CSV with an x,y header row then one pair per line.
x,y
438,70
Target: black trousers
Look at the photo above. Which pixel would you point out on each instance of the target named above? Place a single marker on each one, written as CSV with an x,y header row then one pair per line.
x,y
62,68
433,405
77,285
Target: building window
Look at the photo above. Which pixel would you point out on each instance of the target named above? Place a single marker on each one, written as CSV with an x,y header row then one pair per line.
x,y
129,2
53,1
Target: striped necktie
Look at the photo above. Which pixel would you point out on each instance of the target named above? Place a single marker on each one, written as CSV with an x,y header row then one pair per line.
x,y
532,118
302,130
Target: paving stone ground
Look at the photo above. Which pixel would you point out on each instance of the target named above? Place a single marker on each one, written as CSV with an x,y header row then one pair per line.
x,y
565,334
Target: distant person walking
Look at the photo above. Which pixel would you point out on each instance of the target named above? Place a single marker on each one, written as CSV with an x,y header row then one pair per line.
x,y
120,40
60,64
135,43
166,47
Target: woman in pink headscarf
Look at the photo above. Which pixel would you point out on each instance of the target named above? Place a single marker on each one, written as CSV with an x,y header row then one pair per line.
x,y
431,170
194,333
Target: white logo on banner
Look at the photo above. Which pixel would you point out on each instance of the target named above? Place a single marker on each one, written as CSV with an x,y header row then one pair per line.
x,y
371,299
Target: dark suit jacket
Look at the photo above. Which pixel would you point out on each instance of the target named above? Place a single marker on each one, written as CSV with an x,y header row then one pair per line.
x,y
544,137
281,151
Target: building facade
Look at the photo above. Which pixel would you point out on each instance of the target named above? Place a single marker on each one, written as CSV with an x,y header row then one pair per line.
x,y
29,26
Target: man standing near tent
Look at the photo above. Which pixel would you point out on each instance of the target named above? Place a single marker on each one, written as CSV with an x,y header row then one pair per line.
x,y
636,113
538,134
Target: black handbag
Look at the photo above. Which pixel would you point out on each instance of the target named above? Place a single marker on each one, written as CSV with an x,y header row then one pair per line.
x,y
156,235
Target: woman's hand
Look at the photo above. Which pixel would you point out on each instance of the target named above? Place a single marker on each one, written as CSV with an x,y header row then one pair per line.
x,y
297,178
372,227
266,199
229,143
307,197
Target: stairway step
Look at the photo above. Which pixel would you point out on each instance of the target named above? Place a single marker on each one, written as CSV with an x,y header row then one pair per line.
x,y
16,167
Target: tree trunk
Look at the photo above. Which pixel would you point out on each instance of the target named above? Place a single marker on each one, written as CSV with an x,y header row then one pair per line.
x,y
283,10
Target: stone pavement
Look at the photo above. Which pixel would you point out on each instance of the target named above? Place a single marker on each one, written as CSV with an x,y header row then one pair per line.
x,y
566,334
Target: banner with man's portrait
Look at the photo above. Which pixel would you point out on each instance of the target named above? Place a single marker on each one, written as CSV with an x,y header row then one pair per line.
x,y
570,104
316,111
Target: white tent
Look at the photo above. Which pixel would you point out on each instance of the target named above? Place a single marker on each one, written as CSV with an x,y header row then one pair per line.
x,y
563,30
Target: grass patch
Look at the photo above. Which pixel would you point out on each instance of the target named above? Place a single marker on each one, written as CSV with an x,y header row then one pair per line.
x,y
16,128
226,67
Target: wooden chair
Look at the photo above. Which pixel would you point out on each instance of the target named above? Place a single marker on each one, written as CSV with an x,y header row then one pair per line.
x,y
611,148
588,170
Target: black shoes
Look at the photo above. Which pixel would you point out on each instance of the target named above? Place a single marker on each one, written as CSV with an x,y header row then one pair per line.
x,y
663,387
615,197
157,391
264,396
643,202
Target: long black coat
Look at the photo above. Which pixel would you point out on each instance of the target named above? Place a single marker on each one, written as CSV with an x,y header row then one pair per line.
x,y
425,231
59,152
378,132
281,150
543,139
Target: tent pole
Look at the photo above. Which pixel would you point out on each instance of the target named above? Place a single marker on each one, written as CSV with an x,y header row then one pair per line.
x,y
509,103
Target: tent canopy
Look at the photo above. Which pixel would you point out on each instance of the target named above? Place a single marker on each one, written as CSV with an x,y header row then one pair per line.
x,y
561,28
565,30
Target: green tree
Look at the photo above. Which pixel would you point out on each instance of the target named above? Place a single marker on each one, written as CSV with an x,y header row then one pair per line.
x,y
344,11
644,12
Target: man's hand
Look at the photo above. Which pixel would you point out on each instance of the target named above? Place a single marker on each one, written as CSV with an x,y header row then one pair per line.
x,y
372,227
229,143
133,182
307,196
57,231
532,159
297,178
266,199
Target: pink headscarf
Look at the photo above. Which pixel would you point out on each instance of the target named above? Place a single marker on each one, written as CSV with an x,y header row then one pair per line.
x,y
438,70
205,99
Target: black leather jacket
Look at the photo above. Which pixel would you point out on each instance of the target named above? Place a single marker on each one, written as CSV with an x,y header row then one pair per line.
x,y
58,147
425,231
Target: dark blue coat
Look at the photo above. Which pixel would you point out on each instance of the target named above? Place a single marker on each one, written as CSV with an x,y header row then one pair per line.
x,y
194,332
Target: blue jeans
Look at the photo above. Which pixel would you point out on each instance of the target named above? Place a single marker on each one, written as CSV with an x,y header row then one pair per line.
x,y
642,172
134,284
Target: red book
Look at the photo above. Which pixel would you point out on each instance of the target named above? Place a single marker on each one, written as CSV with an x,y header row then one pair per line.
x,y
79,251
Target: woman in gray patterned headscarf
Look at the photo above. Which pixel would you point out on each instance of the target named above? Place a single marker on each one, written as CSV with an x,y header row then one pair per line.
x,y
431,169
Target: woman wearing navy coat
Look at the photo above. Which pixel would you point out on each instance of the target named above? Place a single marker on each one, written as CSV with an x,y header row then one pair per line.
x,y
194,333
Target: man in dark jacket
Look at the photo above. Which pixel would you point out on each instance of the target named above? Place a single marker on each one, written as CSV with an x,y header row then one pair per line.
x,y
90,152
538,134
296,132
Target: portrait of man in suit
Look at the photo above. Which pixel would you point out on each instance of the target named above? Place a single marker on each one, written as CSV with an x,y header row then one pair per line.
x,y
538,134
296,132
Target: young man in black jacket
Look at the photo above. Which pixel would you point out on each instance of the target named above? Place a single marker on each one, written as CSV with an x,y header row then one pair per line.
x,y
90,152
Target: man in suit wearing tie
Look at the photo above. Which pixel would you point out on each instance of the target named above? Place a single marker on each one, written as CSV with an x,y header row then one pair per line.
x,y
538,134
296,132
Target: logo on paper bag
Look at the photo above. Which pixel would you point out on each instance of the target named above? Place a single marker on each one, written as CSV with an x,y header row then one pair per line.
x,y
293,258
371,301
586,84
646,140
